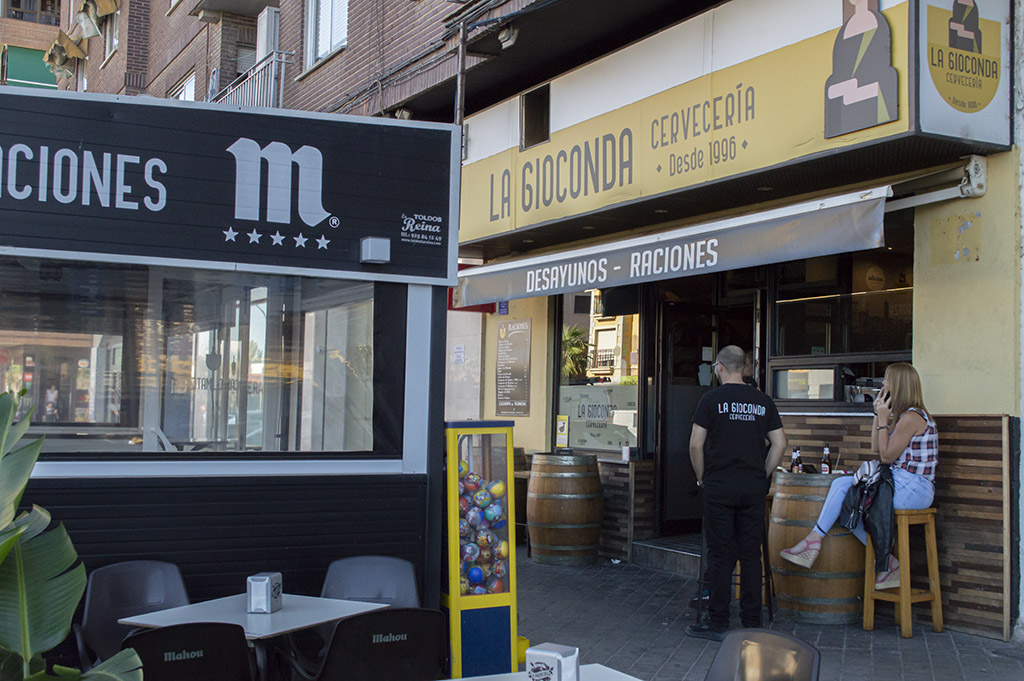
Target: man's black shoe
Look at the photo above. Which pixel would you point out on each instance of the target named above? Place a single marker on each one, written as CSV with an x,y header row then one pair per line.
x,y
704,630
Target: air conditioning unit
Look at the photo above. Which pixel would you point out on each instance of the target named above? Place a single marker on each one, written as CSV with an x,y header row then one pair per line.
x,y
267,28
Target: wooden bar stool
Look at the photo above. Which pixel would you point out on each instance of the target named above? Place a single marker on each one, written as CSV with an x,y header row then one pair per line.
x,y
903,595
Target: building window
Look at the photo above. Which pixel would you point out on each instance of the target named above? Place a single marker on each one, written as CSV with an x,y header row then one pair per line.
x,y
81,78
326,28
110,31
185,90
599,369
228,363
536,116
840,320
37,11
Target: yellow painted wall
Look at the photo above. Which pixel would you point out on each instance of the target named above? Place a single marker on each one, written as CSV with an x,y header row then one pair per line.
x,y
967,257
531,432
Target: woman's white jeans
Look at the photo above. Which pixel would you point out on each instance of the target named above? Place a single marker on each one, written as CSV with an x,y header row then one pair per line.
x,y
911,491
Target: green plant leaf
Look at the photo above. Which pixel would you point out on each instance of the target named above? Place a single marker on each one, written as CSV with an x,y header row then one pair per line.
x,y
15,469
8,405
40,587
8,538
125,666
11,668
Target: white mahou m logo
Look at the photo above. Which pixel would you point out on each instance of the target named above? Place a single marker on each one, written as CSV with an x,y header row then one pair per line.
x,y
249,157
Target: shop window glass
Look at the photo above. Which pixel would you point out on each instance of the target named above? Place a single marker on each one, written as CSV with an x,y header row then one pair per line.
x,y
840,320
598,384
130,360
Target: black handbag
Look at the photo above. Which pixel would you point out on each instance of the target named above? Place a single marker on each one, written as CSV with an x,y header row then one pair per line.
x,y
870,500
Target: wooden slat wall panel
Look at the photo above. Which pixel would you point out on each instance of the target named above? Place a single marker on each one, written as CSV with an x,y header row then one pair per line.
x,y
972,488
628,506
221,530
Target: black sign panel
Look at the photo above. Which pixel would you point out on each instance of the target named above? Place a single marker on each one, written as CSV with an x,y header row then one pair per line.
x,y
181,183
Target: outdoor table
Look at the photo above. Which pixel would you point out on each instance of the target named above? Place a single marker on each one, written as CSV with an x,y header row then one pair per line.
x,y
296,613
588,672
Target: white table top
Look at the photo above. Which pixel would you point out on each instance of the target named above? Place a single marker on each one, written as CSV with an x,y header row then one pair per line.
x,y
297,612
588,672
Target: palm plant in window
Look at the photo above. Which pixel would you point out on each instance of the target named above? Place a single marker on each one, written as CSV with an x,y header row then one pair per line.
x,y
575,352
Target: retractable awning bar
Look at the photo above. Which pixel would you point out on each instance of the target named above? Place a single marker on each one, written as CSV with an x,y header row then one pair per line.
x,y
850,222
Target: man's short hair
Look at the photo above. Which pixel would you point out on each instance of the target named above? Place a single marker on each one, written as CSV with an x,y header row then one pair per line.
x,y
732,358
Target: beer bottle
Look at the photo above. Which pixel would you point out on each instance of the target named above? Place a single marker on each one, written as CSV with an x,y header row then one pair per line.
x,y
826,460
799,461
793,468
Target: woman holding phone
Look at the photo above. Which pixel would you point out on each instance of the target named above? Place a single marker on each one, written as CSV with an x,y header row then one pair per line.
x,y
903,435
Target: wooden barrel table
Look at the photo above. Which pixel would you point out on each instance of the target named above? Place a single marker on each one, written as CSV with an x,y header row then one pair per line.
x,y
831,591
564,506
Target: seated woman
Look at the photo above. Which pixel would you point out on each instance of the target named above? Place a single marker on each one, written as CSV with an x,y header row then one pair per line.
x,y
909,442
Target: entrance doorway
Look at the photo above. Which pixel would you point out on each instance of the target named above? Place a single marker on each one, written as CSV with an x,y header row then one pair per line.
x,y
693,323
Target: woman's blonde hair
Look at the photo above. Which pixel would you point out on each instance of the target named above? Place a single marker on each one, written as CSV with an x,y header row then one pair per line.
x,y
904,389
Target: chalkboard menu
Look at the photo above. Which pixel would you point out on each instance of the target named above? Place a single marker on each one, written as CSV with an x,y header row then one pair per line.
x,y
513,368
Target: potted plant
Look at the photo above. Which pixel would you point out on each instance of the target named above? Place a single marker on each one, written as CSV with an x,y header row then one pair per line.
x,y
41,579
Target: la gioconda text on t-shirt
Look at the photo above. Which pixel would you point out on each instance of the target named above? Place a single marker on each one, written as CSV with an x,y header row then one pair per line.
x,y
741,411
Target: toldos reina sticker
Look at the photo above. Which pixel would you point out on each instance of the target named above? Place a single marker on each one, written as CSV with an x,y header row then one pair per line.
x,y
964,55
422,229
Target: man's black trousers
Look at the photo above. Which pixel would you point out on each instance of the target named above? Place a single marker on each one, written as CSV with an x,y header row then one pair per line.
x,y
734,530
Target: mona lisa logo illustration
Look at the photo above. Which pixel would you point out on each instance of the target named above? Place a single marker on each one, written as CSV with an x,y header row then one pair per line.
x,y
862,90
963,54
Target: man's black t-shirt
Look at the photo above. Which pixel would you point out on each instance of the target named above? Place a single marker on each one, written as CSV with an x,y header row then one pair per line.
x,y
738,419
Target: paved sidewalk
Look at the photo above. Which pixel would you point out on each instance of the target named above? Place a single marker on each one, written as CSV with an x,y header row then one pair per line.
x,y
633,619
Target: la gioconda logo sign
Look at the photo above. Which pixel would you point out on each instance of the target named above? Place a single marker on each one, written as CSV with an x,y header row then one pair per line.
x,y
964,54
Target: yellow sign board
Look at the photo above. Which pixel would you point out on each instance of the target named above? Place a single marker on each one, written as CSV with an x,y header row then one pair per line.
x,y
750,116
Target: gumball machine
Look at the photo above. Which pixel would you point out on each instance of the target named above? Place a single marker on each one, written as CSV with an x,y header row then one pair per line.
x,y
479,587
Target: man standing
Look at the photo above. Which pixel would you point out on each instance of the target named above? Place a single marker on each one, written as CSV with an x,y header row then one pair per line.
x,y
728,450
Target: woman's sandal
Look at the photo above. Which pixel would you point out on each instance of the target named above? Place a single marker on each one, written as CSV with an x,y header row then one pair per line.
x,y
889,579
803,554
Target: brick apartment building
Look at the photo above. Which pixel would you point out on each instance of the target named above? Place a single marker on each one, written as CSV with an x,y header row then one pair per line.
x,y
26,32
363,57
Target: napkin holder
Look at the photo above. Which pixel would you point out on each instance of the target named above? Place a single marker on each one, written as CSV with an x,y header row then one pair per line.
x,y
263,592
552,662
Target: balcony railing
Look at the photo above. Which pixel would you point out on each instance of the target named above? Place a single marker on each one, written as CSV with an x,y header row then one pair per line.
x,y
261,85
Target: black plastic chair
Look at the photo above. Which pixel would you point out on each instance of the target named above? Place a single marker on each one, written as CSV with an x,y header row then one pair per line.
x,y
203,651
119,590
373,579
393,644
763,655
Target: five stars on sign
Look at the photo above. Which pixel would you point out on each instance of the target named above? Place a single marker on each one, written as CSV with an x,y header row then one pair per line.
x,y
277,239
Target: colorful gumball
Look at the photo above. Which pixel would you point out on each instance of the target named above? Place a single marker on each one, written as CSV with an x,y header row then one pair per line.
x,y
500,523
487,569
475,516
495,585
485,524
482,498
497,488
486,555
462,488
475,575
464,527
502,550
463,469
500,569
472,482
480,590
494,511
484,538
470,552
465,503
464,586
